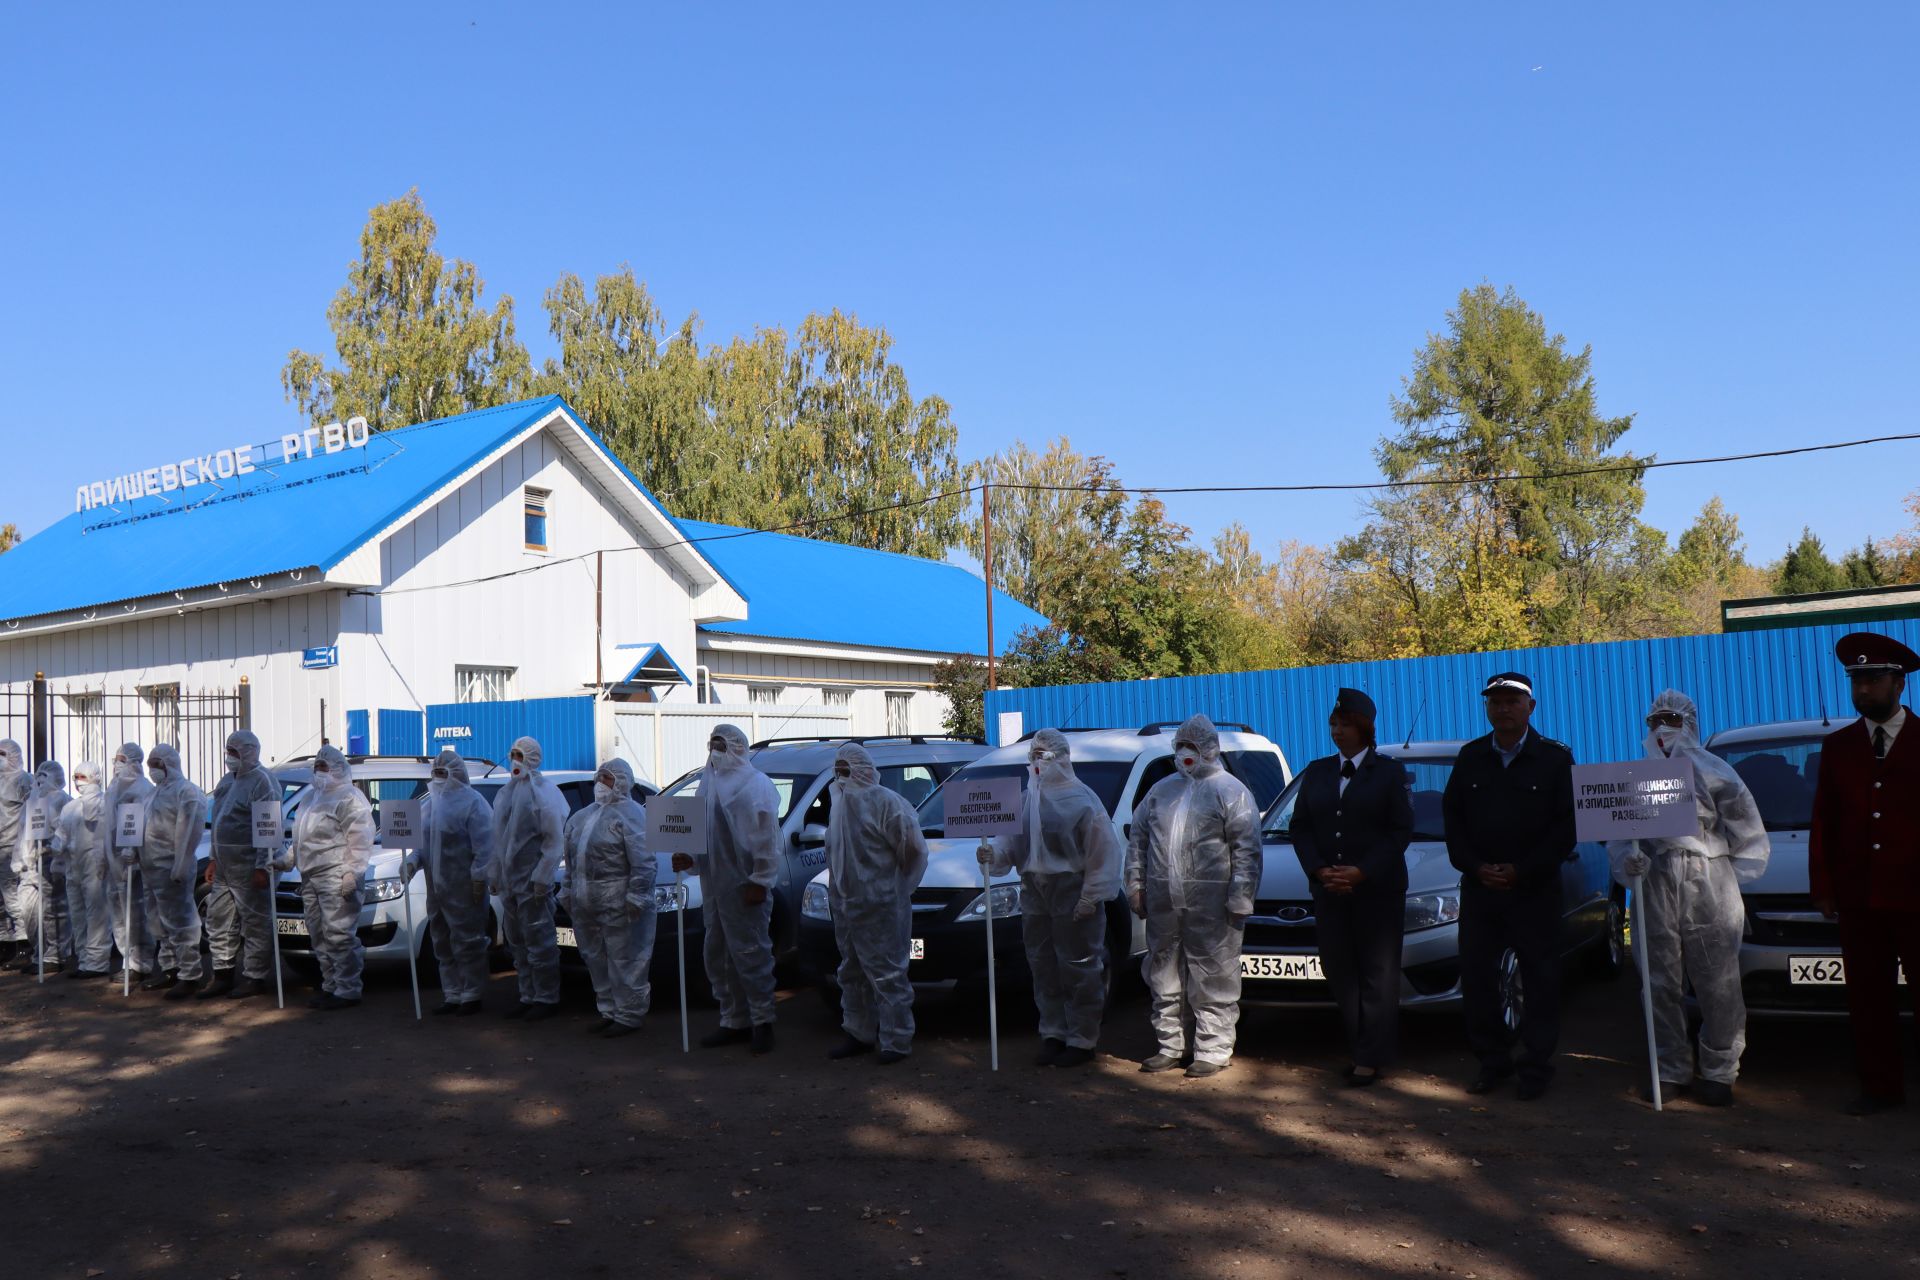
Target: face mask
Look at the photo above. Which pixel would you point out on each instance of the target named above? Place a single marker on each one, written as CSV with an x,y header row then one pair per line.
x,y
86,786
1186,760
519,766
157,771
233,762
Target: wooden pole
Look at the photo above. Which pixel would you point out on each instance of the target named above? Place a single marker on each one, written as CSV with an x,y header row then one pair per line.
x,y
986,562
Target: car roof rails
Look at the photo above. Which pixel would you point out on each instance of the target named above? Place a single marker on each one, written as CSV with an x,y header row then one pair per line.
x,y
916,739
1071,728
1161,726
301,759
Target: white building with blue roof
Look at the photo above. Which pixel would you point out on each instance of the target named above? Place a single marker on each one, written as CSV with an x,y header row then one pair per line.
x,y
502,564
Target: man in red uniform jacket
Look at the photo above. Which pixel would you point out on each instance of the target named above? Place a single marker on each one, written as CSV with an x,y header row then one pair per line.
x,y
1863,856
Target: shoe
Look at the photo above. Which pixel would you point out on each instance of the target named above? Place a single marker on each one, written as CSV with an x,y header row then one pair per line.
x,y
160,981
849,1047
446,1008
1050,1050
86,973
182,990
725,1036
617,1029
1159,1062
540,1011
468,1008
249,987
1201,1070
333,1002
887,1057
319,1001
218,985
600,1026
1531,1090
1868,1105
518,1011
1489,1079
1356,1079
762,1037
1073,1057
1668,1091
1713,1093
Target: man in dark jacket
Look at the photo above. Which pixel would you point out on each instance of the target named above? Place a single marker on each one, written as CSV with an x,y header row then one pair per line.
x,y
1509,816
1863,856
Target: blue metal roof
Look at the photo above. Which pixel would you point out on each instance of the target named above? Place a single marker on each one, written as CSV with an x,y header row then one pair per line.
x,y
308,513
805,589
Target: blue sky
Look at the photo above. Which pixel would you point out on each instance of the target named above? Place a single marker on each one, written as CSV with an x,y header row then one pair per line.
x,y
1204,241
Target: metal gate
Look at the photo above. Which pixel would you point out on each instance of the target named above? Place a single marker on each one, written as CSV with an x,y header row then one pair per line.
x,y
73,722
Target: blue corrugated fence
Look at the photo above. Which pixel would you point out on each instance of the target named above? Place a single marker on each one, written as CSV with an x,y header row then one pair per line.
x,y
562,726
1592,697
402,733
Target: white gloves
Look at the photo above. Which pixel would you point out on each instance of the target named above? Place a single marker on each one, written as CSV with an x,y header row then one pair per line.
x,y
284,862
984,854
1636,864
1085,910
409,867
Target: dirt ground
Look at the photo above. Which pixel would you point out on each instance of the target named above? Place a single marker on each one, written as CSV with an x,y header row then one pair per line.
x,y
228,1139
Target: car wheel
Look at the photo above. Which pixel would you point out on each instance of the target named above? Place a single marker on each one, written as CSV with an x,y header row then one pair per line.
x,y
1609,953
1513,997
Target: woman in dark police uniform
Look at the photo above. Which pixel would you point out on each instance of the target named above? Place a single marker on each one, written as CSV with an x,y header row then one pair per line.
x,y
1351,824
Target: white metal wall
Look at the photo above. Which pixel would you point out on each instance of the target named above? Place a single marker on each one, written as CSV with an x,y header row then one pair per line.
x,y
664,740
802,679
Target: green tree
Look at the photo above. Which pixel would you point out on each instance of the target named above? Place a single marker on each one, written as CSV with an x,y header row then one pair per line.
x,y
1868,566
1056,522
1806,569
9,536
413,340
1039,657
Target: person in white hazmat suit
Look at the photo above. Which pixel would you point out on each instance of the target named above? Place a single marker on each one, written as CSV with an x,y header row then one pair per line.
x,y
458,860
43,872
240,928
176,815
529,838
80,837
332,845
127,784
1069,861
1193,863
609,894
875,859
15,785
1694,915
737,874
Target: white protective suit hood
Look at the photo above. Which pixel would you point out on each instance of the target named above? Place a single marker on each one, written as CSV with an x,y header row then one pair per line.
x,y
622,774
243,751
529,817
743,816
529,763
11,759
1204,760
1730,821
127,782
876,855
127,762
48,778
338,772
454,766
86,786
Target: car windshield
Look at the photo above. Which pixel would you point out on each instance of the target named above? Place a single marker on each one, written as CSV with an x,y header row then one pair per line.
x,y
1106,777
788,785
1780,774
1426,784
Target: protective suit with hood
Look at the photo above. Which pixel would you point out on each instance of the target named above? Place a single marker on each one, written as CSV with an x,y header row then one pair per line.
x,y
875,858
609,893
457,860
529,837
15,785
80,838
127,784
1193,863
1069,861
240,929
332,845
43,871
1690,893
176,814
737,872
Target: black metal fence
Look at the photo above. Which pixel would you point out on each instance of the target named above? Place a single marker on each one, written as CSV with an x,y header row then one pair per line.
x,y
71,722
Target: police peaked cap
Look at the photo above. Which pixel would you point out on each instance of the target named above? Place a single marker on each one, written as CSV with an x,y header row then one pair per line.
x,y
1868,651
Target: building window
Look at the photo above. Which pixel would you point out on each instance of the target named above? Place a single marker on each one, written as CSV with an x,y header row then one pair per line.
x,y
837,699
536,508
86,730
482,684
899,714
763,695
162,705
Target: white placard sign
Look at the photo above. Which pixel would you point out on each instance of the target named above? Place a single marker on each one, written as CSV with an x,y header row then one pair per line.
x,y
983,807
266,824
38,828
130,825
677,824
400,824
1634,800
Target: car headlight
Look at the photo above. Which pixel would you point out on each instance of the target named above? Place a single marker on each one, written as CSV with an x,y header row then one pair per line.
x,y
1431,910
666,897
1006,902
385,889
813,902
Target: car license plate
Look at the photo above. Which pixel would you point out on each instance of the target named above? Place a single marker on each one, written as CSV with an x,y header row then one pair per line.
x,y
1283,968
291,926
917,950
1822,971
565,937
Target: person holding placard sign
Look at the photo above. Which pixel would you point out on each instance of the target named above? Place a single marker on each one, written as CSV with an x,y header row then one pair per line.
x,y
332,845
875,859
43,879
126,808
176,814
457,859
80,836
1069,861
240,928
15,785
1693,915
609,892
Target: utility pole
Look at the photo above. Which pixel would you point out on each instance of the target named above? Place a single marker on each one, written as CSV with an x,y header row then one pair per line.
x,y
986,561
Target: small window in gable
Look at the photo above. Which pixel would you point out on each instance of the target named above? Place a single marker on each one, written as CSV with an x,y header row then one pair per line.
x,y
536,508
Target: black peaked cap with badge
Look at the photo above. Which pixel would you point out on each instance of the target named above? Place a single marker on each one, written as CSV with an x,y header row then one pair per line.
x,y
1869,651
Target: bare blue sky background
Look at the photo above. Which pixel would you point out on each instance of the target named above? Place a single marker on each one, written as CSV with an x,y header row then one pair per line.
x,y
1203,241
